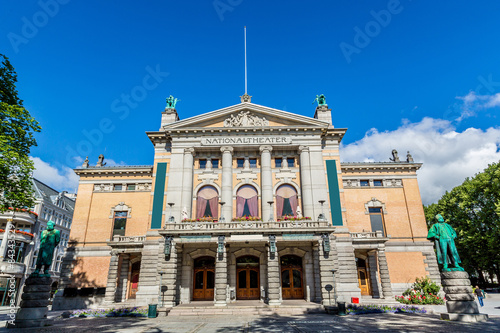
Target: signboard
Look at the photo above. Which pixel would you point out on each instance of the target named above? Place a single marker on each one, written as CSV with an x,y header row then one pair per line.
x,y
246,140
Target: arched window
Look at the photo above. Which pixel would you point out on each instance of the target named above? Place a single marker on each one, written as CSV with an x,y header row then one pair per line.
x,y
207,202
247,201
286,201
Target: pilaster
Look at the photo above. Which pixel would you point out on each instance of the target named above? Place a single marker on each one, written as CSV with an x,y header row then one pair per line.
x,y
385,278
317,277
227,182
373,272
346,277
121,290
187,191
305,178
267,180
109,296
273,282
148,285
221,278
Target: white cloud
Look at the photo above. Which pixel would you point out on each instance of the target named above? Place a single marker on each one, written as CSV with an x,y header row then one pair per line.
x,y
61,179
448,156
473,103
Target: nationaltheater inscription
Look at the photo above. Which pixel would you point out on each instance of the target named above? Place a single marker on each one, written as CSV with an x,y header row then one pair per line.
x,y
270,140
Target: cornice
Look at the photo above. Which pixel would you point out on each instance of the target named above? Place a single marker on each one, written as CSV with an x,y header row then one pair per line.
x,y
129,170
379,167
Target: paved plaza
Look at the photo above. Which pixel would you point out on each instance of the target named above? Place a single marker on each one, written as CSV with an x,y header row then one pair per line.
x,y
304,323
276,323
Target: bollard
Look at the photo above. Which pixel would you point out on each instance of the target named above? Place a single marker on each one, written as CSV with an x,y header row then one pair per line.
x,y
152,311
341,306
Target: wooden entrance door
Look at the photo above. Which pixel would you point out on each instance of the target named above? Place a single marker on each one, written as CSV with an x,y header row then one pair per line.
x,y
247,282
204,281
291,282
134,279
363,281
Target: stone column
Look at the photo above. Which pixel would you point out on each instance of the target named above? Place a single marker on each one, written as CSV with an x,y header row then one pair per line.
x,y
3,246
373,271
305,178
151,258
346,277
317,278
187,183
385,278
175,185
109,296
326,264
169,279
227,182
318,178
273,274
121,290
266,180
221,278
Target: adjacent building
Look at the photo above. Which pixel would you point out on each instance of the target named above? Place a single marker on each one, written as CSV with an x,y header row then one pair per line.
x,y
245,203
18,246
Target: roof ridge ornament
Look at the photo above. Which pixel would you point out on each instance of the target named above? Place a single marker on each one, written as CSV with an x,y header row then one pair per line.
x,y
245,119
246,98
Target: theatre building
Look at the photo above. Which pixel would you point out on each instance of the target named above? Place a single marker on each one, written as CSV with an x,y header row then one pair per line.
x,y
245,203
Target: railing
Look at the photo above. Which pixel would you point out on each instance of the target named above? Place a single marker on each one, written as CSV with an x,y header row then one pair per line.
x,y
242,225
366,235
129,239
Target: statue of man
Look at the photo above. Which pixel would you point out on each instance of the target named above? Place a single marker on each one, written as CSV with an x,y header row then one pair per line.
x,y
50,239
443,235
320,99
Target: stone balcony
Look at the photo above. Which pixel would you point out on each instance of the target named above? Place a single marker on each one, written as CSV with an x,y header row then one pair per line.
x,y
127,241
16,268
18,217
247,227
17,236
368,239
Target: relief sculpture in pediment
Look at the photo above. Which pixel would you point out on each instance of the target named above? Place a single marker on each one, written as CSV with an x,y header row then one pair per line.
x,y
245,119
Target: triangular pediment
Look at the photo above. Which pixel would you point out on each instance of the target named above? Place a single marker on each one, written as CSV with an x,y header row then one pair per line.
x,y
246,115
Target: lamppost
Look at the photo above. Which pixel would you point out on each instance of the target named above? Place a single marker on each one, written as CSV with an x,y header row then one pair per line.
x,y
171,218
321,216
271,213
222,218
334,286
160,299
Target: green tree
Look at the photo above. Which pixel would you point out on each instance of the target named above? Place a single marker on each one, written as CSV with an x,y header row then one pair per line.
x,y
17,128
473,209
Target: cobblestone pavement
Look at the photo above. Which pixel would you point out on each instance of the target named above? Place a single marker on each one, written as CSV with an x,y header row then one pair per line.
x,y
304,323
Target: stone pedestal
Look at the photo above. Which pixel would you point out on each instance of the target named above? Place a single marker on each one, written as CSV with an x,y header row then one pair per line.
x,y
460,301
33,308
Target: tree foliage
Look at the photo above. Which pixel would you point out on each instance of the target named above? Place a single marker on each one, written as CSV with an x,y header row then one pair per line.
x,y
17,128
473,209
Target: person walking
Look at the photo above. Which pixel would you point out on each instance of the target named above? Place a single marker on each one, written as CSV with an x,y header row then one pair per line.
x,y
479,295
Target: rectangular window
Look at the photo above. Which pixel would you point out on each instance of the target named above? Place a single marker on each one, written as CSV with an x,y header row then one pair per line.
x,y
117,187
119,223
377,219
253,163
131,187
290,161
215,164
240,162
364,183
277,162
377,182
203,164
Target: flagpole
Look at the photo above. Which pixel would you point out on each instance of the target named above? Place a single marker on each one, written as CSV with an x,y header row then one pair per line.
x,y
245,60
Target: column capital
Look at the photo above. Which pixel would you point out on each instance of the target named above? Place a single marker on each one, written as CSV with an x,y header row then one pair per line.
x,y
266,149
303,149
226,149
189,151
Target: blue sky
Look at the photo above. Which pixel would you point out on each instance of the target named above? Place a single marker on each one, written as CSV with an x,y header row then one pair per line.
x,y
396,73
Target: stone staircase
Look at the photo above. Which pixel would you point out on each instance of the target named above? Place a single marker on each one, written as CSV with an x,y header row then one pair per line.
x,y
245,310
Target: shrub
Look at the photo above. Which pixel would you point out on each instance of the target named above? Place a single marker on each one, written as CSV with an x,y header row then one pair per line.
x,y
364,309
423,291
